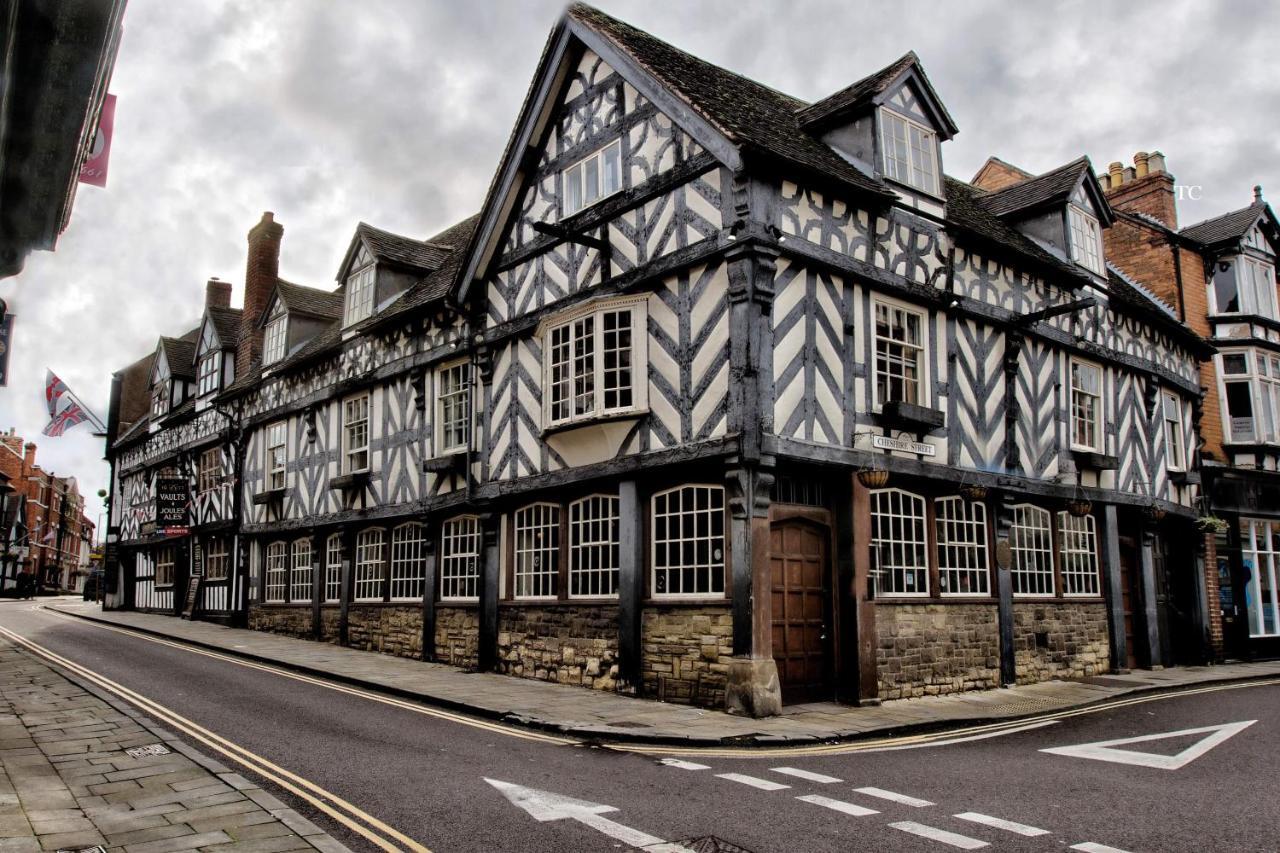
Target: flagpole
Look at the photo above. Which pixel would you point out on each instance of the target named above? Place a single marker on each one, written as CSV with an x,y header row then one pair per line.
x,y
88,411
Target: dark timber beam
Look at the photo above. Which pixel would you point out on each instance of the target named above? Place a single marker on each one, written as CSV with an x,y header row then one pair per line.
x,y
487,653
1150,618
630,588
1083,304
1113,587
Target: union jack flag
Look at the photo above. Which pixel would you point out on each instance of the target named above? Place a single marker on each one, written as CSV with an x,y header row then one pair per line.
x,y
65,410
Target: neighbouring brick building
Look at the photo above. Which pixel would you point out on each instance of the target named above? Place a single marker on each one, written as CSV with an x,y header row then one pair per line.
x,y
721,397
54,516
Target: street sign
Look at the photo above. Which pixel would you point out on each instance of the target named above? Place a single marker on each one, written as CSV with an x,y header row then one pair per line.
x,y
1104,750
920,448
197,561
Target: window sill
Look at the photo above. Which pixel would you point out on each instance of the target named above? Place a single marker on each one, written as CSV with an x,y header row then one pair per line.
x,y
349,481
445,463
899,600
1093,460
1184,478
687,600
610,417
268,497
910,417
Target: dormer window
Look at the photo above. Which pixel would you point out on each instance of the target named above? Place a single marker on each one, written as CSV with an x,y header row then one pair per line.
x,y
910,152
1086,240
359,303
592,178
210,372
1245,286
274,339
160,398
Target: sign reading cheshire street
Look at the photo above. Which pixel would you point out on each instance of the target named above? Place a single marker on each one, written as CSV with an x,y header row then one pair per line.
x,y
921,448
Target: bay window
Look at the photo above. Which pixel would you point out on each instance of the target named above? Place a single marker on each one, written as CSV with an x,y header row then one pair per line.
x,y
1244,285
1086,406
595,363
1260,555
900,354
592,178
899,544
688,542
1251,386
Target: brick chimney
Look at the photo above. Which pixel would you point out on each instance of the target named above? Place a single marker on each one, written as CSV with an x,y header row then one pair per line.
x,y
217,293
1145,187
29,456
262,270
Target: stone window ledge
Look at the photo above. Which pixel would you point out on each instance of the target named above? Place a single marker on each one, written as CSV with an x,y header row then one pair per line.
x,y
559,602
965,600
687,602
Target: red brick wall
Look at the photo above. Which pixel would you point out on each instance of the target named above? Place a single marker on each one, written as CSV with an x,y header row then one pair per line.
x,y
262,271
1212,601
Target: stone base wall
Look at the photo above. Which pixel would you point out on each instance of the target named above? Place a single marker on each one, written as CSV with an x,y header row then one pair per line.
x,y
686,653
390,630
457,636
930,649
330,617
1067,640
567,644
290,621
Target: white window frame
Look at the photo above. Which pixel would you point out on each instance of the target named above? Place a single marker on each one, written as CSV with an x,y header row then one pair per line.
x,y
217,559
460,559
1078,556
581,168
899,557
536,548
1175,445
165,560
274,577
369,564
274,338
350,449
639,362
209,473
1086,239
301,573
277,461
1032,556
1262,378
1259,562
408,561
160,398
1262,286
210,372
358,302
594,551
1099,443
333,568
921,349
446,434
961,535
708,541
928,144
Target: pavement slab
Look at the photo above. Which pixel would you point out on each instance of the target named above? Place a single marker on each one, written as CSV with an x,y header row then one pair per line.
x,y
54,797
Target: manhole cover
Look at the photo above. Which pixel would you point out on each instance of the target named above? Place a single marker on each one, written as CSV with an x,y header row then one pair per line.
x,y
711,844
143,751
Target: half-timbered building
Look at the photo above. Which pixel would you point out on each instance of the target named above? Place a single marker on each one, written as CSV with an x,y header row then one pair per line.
x,y
722,397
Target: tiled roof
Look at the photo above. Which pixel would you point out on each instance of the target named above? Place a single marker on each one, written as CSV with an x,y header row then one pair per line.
x,y
309,300
966,209
1126,293
858,93
181,354
751,115
226,323
385,246
1225,228
1052,187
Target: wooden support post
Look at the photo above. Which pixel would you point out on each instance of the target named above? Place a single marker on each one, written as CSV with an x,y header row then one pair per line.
x,y
317,585
1113,588
1004,591
429,595
865,613
344,595
487,654
630,589
1150,619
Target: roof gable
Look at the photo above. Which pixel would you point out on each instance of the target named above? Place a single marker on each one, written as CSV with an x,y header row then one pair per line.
x,y
303,301
370,244
1232,228
902,85
1074,180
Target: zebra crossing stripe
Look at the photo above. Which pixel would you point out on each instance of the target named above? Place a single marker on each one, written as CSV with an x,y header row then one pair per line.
x,y
837,805
882,794
1090,847
1000,823
806,775
754,782
683,765
952,839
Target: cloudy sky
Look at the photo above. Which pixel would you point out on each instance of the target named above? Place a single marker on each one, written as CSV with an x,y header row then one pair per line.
x,y
395,112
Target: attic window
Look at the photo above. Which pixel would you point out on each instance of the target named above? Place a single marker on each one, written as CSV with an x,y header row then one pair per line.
x,y
359,296
909,152
592,178
1086,240
160,398
210,371
274,340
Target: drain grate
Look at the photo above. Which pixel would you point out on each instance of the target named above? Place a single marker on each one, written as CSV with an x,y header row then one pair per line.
x,y
711,844
1026,706
149,749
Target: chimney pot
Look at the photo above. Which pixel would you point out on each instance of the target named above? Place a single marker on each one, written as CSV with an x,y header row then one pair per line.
x,y
1130,174
217,293
1257,193
1141,162
1155,162
1116,170
1105,180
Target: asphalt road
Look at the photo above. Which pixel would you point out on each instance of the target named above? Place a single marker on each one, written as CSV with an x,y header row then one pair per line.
x,y
426,776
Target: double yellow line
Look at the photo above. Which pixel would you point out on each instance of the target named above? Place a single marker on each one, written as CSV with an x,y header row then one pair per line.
x,y
358,821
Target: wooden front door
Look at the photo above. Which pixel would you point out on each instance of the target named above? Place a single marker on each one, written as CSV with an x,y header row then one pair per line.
x,y
1128,574
801,581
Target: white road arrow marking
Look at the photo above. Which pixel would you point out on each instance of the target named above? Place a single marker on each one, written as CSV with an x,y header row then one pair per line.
x,y
1103,750
545,806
